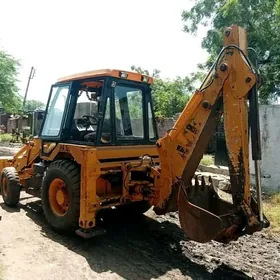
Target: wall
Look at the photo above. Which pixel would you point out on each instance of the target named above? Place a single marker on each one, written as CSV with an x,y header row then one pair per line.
x,y
4,119
270,139
13,123
165,124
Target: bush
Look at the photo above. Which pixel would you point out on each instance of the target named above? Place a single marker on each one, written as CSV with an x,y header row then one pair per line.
x,y
5,137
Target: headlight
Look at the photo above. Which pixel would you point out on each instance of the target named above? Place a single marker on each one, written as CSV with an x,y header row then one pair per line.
x,y
145,79
123,75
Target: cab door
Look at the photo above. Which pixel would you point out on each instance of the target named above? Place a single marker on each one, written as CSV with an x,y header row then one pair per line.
x,y
56,112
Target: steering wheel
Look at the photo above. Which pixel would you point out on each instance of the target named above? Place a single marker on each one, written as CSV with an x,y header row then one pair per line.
x,y
87,119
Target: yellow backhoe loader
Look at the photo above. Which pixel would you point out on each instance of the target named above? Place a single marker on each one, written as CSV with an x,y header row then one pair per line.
x,y
98,148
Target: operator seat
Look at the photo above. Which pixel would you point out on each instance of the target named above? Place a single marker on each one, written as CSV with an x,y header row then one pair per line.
x,y
76,134
106,132
91,136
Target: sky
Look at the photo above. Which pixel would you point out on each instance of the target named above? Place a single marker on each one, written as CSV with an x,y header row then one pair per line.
x,y
60,38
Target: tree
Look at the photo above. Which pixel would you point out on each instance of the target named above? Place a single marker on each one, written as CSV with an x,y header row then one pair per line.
x,y
32,105
169,96
155,73
9,97
261,20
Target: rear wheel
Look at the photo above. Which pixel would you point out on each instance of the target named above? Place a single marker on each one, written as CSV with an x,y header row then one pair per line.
x,y
10,186
61,195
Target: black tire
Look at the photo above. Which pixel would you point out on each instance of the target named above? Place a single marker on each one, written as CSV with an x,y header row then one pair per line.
x,y
137,208
69,173
10,186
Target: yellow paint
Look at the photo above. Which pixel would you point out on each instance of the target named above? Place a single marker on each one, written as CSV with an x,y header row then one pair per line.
x,y
174,151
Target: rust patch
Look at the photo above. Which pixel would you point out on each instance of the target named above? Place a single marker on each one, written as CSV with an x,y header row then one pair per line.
x,y
182,151
237,178
170,204
192,128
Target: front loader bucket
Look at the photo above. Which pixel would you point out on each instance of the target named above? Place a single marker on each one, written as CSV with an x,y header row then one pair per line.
x,y
206,213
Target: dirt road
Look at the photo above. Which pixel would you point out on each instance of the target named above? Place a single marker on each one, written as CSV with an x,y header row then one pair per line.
x,y
150,248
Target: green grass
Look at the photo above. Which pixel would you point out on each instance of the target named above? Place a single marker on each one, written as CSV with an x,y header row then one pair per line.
x,y
5,137
207,160
271,208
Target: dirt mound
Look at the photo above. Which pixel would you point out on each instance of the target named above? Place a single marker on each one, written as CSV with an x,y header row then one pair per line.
x,y
251,257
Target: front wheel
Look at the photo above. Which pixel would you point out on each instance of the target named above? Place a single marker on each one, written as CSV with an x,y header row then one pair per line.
x,y
10,186
61,195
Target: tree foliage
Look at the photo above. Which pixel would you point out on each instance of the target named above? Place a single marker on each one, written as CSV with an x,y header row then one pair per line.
x,y
169,96
155,73
261,20
9,97
32,105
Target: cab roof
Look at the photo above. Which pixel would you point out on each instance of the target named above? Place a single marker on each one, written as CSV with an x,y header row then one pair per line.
x,y
126,75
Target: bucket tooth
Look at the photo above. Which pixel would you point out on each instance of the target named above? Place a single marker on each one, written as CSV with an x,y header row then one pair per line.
x,y
196,181
203,185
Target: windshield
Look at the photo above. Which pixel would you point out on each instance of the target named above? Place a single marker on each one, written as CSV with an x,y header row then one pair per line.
x,y
55,111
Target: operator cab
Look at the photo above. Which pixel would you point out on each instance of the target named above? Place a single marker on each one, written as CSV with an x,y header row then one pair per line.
x,y
104,107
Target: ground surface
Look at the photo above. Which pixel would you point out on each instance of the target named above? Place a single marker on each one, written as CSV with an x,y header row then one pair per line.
x,y
152,248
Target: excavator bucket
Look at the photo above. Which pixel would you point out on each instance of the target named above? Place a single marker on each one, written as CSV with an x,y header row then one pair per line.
x,y
199,224
206,212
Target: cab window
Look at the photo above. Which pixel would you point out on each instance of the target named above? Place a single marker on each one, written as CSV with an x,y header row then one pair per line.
x,y
55,111
129,113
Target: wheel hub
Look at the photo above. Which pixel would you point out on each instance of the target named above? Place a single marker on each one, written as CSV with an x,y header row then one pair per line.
x,y
61,197
58,197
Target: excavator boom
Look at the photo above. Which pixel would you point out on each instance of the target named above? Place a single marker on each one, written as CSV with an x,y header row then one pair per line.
x,y
207,213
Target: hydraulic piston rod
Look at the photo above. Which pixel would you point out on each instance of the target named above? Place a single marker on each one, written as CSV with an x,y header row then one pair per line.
x,y
256,144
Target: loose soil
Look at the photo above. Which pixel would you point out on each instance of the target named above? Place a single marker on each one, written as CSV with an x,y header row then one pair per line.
x,y
151,247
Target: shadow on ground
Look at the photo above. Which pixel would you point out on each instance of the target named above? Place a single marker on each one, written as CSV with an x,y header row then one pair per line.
x,y
141,249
